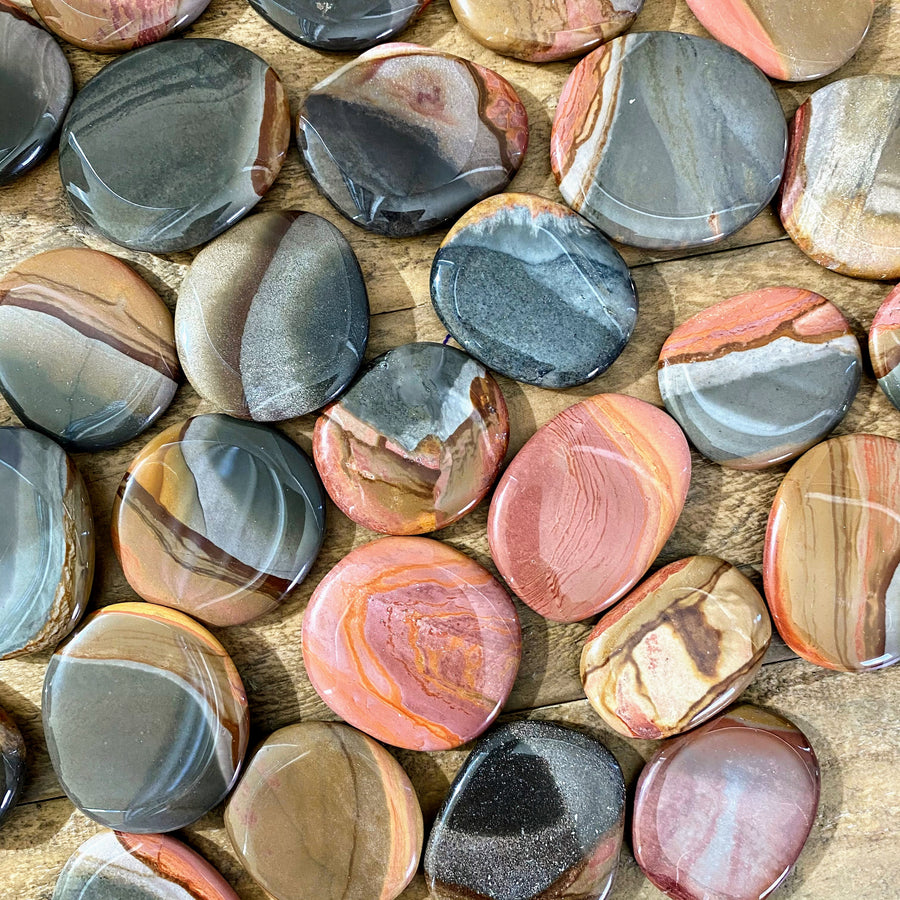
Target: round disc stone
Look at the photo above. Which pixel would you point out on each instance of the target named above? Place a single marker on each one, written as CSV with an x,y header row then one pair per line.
x,y
145,718
416,443
12,765
667,140
832,545
272,317
587,504
846,217
884,346
87,348
323,811
36,86
405,137
758,379
219,518
574,304
47,536
168,146
412,642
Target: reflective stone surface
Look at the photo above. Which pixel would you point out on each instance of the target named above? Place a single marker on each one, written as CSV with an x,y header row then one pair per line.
x,y
12,765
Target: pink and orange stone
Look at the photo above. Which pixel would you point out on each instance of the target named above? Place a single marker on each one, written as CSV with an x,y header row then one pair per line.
x,y
884,346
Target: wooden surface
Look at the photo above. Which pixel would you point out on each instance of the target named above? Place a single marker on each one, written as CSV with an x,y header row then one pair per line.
x,y
853,721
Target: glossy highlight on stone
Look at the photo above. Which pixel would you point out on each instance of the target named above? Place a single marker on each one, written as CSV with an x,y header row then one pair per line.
x,y
404,138
587,504
666,140
536,813
169,145
846,217
325,813
219,518
412,642
87,348
47,536
760,378
884,346
416,443
677,650
12,765
165,744
534,291
273,317
723,813
832,546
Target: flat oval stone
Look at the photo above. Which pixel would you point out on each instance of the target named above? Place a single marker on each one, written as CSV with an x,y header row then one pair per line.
x,y
575,303
667,140
12,765
884,346
405,138
112,866
219,518
87,348
168,146
846,217
47,536
725,810
536,811
587,504
412,642
760,378
273,317
832,546
416,443
165,744
36,86
677,650
325,813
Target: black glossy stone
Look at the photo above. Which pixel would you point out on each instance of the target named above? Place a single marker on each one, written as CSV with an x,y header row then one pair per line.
x,y
12,764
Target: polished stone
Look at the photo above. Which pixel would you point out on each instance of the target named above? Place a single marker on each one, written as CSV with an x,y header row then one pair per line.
x,y
724,812
832,546
47,541
36,87
416,443
536,813
677,650
169,145
534,291
219,518
412,642
405,138
758,379
667,140
12,765
87,348
846,217
884,346
145,718
325,813
586,505
272,317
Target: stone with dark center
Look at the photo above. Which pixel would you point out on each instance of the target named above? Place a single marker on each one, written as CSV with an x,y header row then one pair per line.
x,y
12,765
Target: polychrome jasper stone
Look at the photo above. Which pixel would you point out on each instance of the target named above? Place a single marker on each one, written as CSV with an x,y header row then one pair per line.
x,y
677,650
416,443
405,137
758,379
832,546
273,317
723,812
667,140
12,765
145,718
536,812
36,86
325,813
534,291
587,504
884,346
168,146
87,348
219,518
114,866
846,217
412,642
47,541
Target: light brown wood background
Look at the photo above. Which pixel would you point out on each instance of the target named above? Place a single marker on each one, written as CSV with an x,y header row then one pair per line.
x,y
852,721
